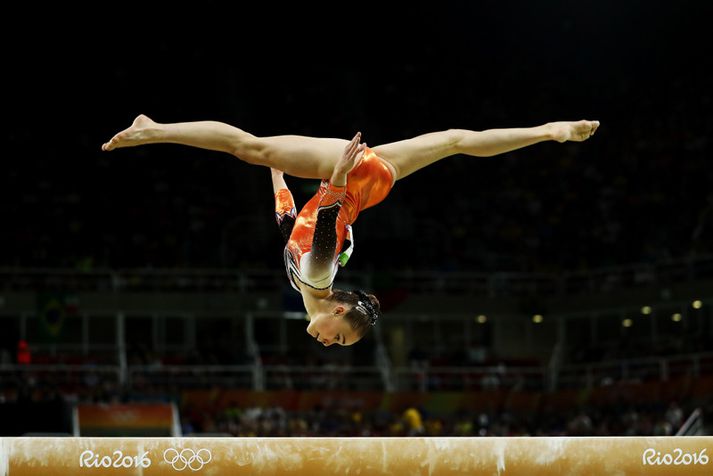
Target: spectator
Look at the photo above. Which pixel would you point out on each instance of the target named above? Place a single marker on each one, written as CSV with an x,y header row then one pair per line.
x,y
24,355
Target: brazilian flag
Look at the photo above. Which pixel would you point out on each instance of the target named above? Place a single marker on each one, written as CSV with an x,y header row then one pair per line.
x,y
53,310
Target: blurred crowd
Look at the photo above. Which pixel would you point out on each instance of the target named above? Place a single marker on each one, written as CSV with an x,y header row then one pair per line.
x,y
662,419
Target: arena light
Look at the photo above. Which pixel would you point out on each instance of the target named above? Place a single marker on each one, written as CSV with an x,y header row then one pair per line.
x,y
481,319
627,322
537,318
697,304
295,315
676,317
646,310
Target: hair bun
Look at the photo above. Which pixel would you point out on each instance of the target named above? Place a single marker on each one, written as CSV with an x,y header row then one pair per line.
x,y
371,304
374,302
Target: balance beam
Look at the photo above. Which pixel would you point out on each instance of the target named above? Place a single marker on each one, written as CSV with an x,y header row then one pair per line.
x,y
356,456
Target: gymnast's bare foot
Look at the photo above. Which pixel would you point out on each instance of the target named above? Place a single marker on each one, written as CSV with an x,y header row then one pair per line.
x,y
142,131
572,131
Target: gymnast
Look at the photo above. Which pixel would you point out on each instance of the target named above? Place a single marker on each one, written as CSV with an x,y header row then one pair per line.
x,y
354,178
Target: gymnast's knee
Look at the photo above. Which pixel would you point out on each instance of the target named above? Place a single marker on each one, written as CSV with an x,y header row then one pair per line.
x,y
253,150
452,139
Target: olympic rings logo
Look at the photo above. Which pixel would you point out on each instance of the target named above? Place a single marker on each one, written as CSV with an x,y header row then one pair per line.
x,y
187,458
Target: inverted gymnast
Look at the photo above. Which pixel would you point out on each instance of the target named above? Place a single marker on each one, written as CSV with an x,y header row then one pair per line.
x,y
354,178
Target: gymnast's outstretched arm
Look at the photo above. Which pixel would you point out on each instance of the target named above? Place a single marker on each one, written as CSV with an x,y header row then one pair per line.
x,y
324,241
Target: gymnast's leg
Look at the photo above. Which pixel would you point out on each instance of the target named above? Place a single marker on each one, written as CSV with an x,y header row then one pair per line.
x,y
300,156
408,156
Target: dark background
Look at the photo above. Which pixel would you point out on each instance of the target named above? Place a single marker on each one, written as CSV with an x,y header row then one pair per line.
x,y
634,193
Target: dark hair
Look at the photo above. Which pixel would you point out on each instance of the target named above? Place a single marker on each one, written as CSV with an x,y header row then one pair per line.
x,y
364,311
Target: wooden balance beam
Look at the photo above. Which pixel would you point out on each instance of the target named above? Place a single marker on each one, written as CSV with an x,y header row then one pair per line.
x,y
532,456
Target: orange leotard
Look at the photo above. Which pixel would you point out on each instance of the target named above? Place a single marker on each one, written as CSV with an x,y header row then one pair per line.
x,y
368,184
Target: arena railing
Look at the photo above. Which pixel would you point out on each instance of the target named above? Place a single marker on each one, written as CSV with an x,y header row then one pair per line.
x,y
356,378
693,426
426,379
59,376
640,369
474,284
146,379
191,376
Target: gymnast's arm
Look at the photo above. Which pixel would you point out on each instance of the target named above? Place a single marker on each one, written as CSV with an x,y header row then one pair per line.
x,y
324,242
285,212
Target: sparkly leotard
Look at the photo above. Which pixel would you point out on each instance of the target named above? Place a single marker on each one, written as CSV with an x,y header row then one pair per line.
x,y
319,233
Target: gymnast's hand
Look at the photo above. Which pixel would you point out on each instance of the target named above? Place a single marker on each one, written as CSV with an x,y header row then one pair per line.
x,y
351,157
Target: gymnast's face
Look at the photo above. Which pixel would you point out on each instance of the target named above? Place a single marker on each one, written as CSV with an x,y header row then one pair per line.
x,y
331,328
